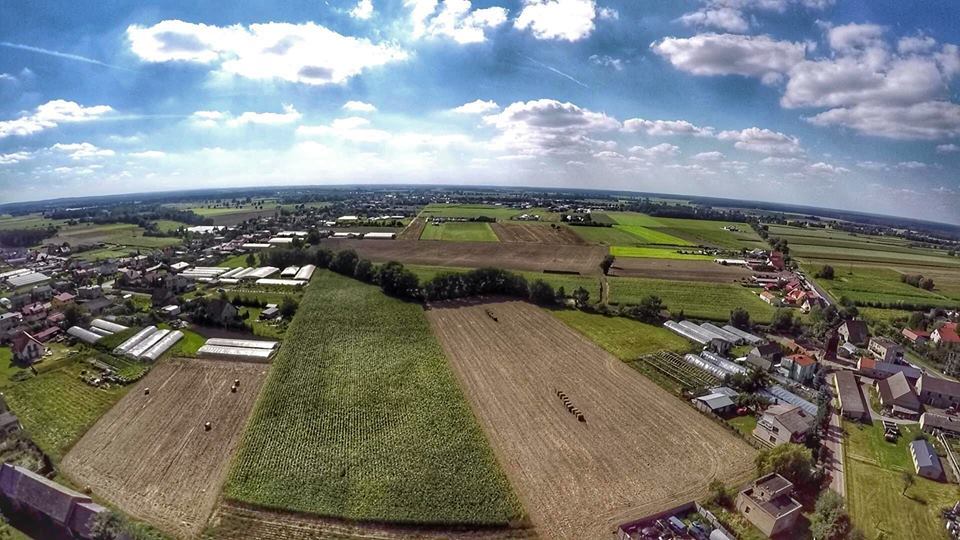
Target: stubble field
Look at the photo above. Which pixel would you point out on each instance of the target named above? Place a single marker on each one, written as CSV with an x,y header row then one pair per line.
x,y
640,450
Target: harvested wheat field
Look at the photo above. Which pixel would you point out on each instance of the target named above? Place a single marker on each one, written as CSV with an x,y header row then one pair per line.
x,y
638,450
537,233
413,230
514,256
678,270
151,456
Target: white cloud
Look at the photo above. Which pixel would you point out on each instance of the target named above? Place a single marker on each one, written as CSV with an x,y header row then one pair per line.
x,y
666,127
477,107
786,162
916,44
363,10
762,140
659,151
456,19
549,127
607,61
826,169
731,54
50,115
947,148
353,129
359,106
82,150
304,53
569,20
709,156
608,14
854,37
15,157
210,119
722,18
912,165
929,120
149,154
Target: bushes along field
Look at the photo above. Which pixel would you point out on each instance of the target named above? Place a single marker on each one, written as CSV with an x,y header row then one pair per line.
x,y
362,418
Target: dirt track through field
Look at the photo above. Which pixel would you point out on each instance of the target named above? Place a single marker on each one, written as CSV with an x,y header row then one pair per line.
x,y
150,455
516,256
536,233
640,450
677,269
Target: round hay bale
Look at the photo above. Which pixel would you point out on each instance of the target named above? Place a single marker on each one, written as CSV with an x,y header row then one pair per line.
x,y
146,391
207,426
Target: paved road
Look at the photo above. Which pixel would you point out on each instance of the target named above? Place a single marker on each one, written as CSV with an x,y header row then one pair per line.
x,y
813,285
833,443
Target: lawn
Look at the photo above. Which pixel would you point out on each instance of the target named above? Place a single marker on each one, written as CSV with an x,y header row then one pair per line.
x,y
469,231
7,367
875,255
236,261
656,253
635,219
624,338
361,418
107,253
744,424
700,300
56,408
187,346
712,233
116,234
874,471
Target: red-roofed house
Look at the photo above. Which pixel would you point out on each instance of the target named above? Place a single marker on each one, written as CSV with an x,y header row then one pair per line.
x,y
916,336
945,334
799,367
62,300
26,348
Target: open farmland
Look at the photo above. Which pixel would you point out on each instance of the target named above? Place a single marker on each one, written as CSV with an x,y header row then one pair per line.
x,y
532,257
712,301
567,281
675,269
56,407
28,221
150,455
864,285
624,338
639,449
608,236
119,234
537,233
457,231
657,253
500,213
712,233
413,230
362,419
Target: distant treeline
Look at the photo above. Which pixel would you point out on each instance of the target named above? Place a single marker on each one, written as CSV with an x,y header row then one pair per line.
x,y
135,214
25,237
659,209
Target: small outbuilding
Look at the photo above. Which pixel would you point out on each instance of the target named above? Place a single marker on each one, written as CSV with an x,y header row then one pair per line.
x,y
925,459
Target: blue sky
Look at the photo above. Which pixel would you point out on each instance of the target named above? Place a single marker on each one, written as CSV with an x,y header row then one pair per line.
x,y
827,103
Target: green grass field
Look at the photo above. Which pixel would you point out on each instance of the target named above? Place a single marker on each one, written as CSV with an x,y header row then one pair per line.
x,y
168,225
56,408
874,485
501,213
469,231
187,346
712,233
115,235
744,424
873,253
609,236
236,261
29,221
656,253
624,338
362,418
635,219
569,282
652,236
864,284
700,300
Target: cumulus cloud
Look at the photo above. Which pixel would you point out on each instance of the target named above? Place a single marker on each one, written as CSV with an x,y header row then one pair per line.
x,y
709,156
569,20
607,61
477,107
363,10
353,129
210,119
303,53
82,150
762,140
666,127
928,120
549,127
14,157
854,37
721,18
49,115
947,148
731,54
359,106
659,151
826,169
455,19
148,154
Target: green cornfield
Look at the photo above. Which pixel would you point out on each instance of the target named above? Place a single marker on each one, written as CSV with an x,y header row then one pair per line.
x,y
361,418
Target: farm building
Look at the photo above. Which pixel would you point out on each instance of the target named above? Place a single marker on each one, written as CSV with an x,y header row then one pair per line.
x,y
716,403
854,332
799,367
770,298
916,336
256,245
896,393
84,335
305,272
180,266
379,236
161,346
885,349
249,343
847,390
48,501
26,348
109,326
925,459
281,282
764,356
938,392
9,423
238,349
769,504
778,394
124,347
289,272
746,336
946,334
781,424
868,367
30,278
280,241
269,313
933,422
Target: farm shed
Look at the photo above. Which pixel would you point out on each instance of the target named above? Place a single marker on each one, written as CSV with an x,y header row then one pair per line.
x,y
280,240
847,390
269,313
897,393
305,272
100,331
109,326
925,459
747,336
289,271
932,422
716,403
84,335
134,339
34,494
779,394
235,353
22,280
162,346
249,343
722,333
259,273
281,282
232,272
380,236
703,331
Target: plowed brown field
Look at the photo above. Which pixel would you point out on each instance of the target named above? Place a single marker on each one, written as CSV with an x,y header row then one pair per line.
x,y
150,455
677,269
536,233
640,449
533,257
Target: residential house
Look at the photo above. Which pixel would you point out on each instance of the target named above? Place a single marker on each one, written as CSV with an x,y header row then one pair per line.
x,y
937,392
28,493
770,298
96,306
885,350
10,324
916,336
90,292
946,334
62,300
931,422
783,423
769,504
847,389
799,367
33,312
41,293
925,459
26,348
854,332
221,311
868,367
765,355
47,334
896,393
